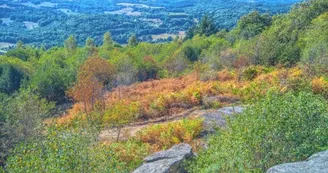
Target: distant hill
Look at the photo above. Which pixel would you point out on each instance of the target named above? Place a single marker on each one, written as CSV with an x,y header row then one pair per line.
x,y
50,22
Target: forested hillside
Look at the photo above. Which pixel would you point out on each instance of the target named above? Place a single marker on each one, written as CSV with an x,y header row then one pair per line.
x,y
55,102
48,23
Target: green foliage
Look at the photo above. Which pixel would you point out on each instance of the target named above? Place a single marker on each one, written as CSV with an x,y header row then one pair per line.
x,y
18,64
22,114
279,43
121,114
133,41
148,69
131,152
70,44
275,130
20,44
205,27
64,152
54,75
3,101
212,55
10,78
89,43
315,41
107,40
252,24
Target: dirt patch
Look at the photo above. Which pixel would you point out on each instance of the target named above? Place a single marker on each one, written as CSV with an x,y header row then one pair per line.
x,y
131,130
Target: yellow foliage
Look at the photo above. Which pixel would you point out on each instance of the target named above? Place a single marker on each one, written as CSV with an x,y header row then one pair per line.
x,y
168,97
121,113
320,86
163,136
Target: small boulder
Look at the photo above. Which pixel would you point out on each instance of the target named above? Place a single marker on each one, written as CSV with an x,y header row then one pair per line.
x,y
169,161
318,163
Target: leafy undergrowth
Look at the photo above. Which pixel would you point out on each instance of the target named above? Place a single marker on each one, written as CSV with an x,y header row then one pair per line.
x,y
167,97
164,136
277,129
79,151
65,150
155,98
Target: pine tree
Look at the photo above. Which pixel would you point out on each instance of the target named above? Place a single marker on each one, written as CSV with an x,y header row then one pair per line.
x,y
90,46
90,42
107,40
206,26
20,44
133,41
70,44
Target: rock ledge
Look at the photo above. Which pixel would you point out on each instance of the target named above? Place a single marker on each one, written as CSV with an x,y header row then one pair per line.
x,y
317,163
169,161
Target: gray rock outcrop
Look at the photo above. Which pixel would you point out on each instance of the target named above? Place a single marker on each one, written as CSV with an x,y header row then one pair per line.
x,y
318,163
169,161
217,118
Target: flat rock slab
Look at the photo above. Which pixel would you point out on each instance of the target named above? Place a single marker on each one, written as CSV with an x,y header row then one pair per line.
x,y
216,118
169,161
318,163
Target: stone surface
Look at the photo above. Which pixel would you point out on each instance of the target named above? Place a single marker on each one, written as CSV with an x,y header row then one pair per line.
x,y
217,118
169,161
318,163
219,99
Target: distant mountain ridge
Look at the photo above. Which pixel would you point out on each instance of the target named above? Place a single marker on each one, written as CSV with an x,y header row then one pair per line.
x,y
50,22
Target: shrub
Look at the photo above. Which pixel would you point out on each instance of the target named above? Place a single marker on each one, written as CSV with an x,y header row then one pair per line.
x,y
121,114
21,119
320,86
294,79
163,136
225,75
131,152
64,152
252,72
276,130
93,76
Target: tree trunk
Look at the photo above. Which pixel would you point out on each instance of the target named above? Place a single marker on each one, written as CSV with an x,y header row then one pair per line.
x,y
118,134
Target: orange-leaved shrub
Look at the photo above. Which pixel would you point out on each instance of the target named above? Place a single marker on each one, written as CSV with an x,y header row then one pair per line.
x,y
94,74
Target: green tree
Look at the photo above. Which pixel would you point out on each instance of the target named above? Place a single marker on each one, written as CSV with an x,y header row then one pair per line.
x,y
24,53
23,119
10,78
279,44
107,40
54,76
20,44
90,46
206,26
90,42
253,24
148,69
70,44
315,43
133,41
